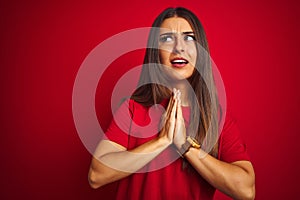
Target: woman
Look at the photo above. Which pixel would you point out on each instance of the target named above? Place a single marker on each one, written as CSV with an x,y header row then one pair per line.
x,y
168,159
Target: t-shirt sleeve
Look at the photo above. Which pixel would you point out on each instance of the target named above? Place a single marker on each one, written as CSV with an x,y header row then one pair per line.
x,y
119,128
231,146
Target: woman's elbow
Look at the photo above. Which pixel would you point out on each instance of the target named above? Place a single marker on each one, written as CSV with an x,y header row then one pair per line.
x,y
93,179
243,189
251,193
247,193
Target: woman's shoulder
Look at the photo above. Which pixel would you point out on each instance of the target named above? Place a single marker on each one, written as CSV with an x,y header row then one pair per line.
x,y
139,109
228,127
132,105
232,147
230,120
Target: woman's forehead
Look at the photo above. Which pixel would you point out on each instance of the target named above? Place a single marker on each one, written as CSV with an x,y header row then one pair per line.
x,y
176,25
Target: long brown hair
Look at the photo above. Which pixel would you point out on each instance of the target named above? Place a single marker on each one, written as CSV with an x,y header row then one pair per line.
x,y
204,120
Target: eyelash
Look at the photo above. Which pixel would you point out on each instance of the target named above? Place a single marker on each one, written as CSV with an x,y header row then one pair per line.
x,y
193,37
166,37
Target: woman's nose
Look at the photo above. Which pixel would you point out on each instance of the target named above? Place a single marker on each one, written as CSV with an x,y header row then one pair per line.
x,y
179,46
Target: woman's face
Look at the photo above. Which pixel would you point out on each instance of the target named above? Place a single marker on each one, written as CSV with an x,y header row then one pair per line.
x,y
177,48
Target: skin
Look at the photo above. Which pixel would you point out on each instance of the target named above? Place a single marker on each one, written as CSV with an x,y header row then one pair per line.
x,y
234,179
177,40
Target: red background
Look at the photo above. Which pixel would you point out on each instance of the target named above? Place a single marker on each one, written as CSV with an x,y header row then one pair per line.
x,y
255,45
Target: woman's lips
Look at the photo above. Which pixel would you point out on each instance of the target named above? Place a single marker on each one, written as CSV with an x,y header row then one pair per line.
x,y
179,62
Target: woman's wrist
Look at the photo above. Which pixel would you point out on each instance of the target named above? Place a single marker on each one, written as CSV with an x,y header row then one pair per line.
x,y
179,144
163,142
187,145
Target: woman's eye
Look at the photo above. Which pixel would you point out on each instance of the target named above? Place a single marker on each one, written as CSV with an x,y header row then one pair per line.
x,y
166,38
189,38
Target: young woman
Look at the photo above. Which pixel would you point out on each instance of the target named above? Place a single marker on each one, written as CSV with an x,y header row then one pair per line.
x,y
178,153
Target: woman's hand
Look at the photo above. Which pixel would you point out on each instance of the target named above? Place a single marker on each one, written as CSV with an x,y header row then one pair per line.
x,y
169,119
180,130
173,127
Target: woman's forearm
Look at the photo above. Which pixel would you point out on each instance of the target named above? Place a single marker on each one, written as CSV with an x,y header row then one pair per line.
x,y
235,179
111,163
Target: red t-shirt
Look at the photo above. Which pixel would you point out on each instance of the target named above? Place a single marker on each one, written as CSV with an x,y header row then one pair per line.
x,y
164,177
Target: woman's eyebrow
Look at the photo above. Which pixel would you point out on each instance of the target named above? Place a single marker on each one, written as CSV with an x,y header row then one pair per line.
x,y
168,33
183,33
188,32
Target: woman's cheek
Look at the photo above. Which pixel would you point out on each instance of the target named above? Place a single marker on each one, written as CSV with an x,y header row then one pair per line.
x,y
193,55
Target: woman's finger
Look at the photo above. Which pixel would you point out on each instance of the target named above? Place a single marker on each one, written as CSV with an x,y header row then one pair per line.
x,y
165,117
171,103
172,118
179,115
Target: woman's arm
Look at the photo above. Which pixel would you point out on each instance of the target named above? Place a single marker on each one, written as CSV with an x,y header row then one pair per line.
x,y
112,162
234,179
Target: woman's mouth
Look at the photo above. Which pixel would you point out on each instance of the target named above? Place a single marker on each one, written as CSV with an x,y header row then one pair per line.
x,y
179,62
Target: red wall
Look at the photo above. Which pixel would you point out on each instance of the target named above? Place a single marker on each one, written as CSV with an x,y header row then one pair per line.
x,y
255,45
